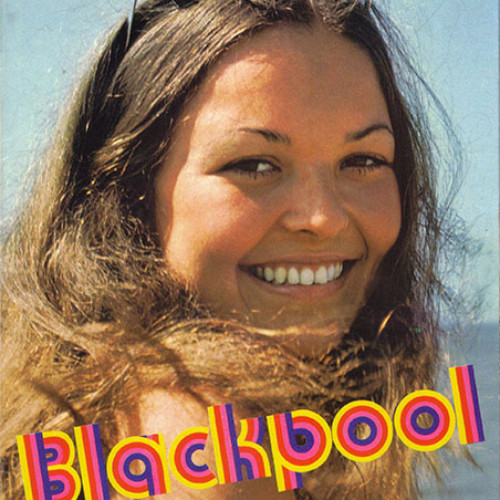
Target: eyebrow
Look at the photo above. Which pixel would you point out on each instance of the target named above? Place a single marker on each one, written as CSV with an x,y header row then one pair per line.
x,y
269,135
361,134
274,136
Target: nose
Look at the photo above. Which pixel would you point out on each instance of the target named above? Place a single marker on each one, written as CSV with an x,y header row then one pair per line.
x,y
315,206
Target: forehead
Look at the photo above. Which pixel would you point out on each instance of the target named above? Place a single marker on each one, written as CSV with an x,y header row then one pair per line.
x,y
291,71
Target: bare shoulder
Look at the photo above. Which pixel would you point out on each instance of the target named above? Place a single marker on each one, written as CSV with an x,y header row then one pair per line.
x,y
171,412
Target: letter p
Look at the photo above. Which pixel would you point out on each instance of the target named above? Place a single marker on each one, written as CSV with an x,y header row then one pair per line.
x,y
284,431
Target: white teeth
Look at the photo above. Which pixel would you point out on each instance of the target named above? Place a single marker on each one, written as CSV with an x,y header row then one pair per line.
x,y
338,268
268,274
306,277
280,275
331,272
293,276
321,276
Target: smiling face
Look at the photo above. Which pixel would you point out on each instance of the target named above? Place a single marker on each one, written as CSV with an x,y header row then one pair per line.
x,y
278,200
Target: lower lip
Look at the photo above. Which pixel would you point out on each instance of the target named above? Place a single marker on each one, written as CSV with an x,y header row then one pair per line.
x,y
301,292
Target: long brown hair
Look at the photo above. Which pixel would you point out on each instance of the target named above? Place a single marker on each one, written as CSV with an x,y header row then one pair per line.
x,y
91,314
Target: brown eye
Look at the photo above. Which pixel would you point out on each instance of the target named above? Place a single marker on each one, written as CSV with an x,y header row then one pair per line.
x,y
253,168
365,161
364,164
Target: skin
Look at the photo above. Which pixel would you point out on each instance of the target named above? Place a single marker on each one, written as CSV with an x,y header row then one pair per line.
x,y
326,192
319,188
175,412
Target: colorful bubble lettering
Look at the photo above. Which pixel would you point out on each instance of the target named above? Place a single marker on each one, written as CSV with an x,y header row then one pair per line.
x,y
428,405
466,399
46,466
346,429
180,458
147,454
286,431
92,463
252,455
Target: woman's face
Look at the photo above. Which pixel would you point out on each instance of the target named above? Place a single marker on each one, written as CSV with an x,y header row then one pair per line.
x,y
278,200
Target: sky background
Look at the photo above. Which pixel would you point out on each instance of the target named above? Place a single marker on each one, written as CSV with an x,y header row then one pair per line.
x,y
46,46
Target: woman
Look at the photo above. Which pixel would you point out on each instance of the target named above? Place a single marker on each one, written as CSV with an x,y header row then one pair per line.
x,y
238,209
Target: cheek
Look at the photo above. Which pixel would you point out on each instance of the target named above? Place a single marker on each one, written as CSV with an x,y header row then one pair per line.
x,y
209,228
378,213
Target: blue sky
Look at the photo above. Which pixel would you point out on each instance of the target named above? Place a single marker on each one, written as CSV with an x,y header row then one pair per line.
x,y
46,47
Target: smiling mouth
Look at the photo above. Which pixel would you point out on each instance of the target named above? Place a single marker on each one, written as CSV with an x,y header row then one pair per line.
x,y
305,275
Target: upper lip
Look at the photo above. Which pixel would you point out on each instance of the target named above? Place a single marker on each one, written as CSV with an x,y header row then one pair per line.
x,y
302,259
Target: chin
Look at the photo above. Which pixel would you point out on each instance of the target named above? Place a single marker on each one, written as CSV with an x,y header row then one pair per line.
x,y
307,343
308,338
307,319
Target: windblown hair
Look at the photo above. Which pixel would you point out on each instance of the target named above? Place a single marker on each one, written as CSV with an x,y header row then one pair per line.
x,y
91,315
